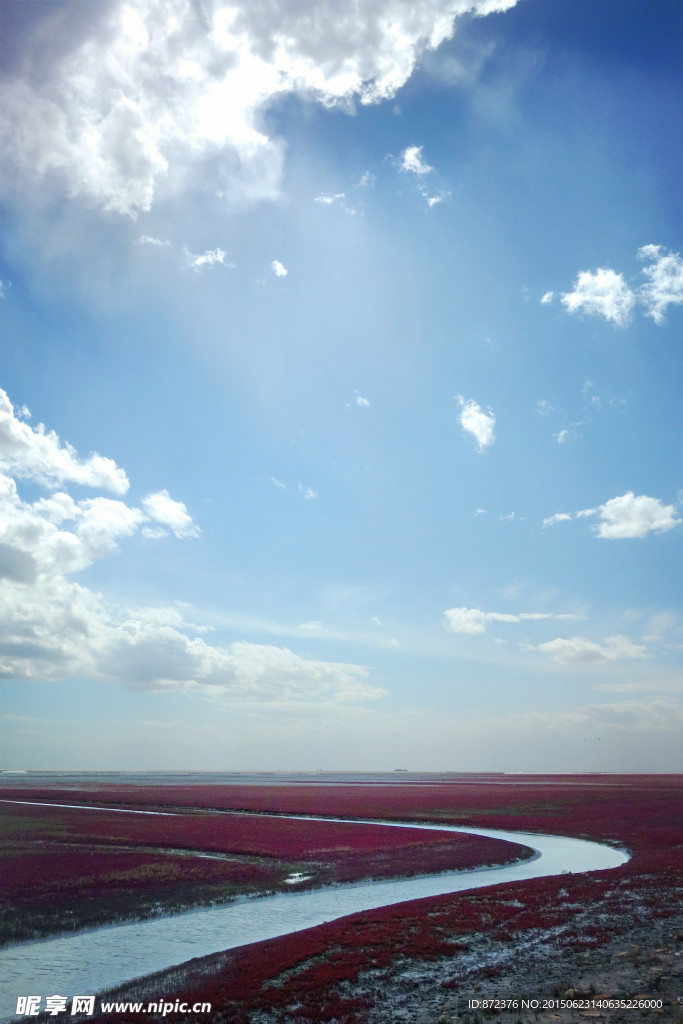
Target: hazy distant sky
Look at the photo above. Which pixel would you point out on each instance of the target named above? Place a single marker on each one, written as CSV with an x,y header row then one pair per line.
x,y
341,369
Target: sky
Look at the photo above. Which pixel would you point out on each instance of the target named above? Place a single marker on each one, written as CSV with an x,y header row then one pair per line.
x,y
340,363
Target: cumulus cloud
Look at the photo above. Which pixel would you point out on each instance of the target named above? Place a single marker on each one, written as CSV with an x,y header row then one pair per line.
x,y
411,160
164,509
664,281
581,650
475,621
55,628
475,421
547,298
140,93
38,455
631,516
603,293
625,517
308,493
278,269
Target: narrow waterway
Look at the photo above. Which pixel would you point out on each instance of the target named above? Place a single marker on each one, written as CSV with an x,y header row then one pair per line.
x,y
87,962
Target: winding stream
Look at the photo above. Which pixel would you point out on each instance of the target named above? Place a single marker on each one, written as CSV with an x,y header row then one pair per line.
x,y
102,958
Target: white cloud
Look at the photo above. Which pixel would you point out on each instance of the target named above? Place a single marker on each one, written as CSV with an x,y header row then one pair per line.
x,y
40,456
475,621
665,281
544,407
53,628
411,160
363,402
578,649
568,434
206,259
475,421
161,507
603,293
547,298
625,517
366,180
278,483
559,517
311,627
150,240
631,516
308,492
278,269
141,93
329,198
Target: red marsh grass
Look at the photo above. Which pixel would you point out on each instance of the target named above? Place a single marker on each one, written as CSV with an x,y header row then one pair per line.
x,y
310,976
101,867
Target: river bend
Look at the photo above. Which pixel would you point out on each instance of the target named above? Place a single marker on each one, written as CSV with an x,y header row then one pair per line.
x,y
101,958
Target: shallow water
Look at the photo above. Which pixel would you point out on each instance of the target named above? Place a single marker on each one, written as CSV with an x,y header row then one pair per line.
x,y
88,962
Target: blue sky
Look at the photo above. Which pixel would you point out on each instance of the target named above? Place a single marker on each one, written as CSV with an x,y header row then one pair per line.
x,y
356,343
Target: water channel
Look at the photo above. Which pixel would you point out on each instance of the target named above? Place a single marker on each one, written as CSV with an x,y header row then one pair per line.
x,y
101,958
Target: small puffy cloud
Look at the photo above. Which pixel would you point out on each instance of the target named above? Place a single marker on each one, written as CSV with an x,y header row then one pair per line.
x,y
665,281
475,621
547,298
479,512
308,493
625,517
465,620
207,259
162,508
411,160
544,407
278,269
603,293
366,180
362,402
311,627
631,516
581,650
38,455
278,483
475,421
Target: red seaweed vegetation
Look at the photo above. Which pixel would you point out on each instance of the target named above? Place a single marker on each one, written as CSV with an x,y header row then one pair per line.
x,y
309,976
100,867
